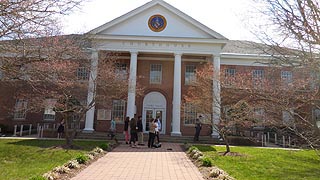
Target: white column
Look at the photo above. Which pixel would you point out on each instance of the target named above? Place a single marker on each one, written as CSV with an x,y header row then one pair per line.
x,y
216,105
132,85
91,92
176,104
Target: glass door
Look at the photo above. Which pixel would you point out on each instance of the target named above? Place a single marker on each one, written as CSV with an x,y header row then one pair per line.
x,y
153,114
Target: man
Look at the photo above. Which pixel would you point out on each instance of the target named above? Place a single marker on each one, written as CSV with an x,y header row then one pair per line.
x,y
140,131
198,127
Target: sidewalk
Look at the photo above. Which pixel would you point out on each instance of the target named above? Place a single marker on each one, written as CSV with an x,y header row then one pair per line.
x,y
142,163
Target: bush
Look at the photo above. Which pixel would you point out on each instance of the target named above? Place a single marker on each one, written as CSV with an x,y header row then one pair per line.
x,y
104,146
73,164
82,159
38,177
206,162
192,148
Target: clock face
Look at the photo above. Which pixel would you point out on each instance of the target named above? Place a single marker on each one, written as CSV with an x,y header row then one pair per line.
x,y
157,23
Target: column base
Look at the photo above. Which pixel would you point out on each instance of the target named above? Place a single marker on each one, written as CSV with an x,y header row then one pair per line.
x,y
176,134
88,130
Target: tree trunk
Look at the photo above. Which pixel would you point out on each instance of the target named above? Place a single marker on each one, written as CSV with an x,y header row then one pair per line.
x,y
227,144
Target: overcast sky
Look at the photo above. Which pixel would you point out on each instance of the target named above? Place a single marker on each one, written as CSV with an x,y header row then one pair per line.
x,y
227,17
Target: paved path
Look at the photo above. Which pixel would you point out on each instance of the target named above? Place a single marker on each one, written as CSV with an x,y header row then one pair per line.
x,y
142,163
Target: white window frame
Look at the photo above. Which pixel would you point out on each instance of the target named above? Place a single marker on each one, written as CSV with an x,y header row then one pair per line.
x,y
288,116
190,76
286,77
259,113
190,114
258,76
316,116
49,114
230,74
20,109
118,110
121,71
82,73
155,73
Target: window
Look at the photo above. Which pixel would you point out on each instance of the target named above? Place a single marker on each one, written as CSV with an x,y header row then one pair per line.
x,y
230,76
49,114
286,77
20,109
121,71
287,116
82,73
190,75
227,112
118,110
155,74
257,78
316,116
190,114
259,114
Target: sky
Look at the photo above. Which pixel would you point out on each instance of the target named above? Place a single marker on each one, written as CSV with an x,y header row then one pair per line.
x,y
227,17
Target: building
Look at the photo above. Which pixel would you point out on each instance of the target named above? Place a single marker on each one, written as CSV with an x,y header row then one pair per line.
x,y
164,46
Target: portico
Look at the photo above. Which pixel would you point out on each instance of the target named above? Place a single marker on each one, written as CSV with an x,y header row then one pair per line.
x,y
178,37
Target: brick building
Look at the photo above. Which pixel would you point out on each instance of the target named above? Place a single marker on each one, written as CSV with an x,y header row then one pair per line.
x,y
164,46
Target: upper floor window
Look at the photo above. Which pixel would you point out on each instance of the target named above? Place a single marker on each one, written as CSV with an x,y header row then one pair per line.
x,y
190,75
286,77
259,114
258,78
82,73
190,114
118,110
121,71
20,109
288,116
229,75
155,74
49,114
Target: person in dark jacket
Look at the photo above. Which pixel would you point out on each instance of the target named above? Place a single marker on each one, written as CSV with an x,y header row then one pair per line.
x,y
61,129
140,131
133,132
198,127
126,129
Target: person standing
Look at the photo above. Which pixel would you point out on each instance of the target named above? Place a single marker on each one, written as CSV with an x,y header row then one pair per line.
x,y
152,126
112,128
133,132
61,129
198,127
158,120
140,131
126,130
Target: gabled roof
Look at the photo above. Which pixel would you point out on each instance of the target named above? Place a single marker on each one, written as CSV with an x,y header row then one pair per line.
x,y
159,4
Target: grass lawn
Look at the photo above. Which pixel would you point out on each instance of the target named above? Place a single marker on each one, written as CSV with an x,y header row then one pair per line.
x,y
24,158
262,164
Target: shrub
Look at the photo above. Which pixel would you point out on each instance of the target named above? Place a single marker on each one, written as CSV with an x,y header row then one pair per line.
x,y
51,175
206,162
38,177
192,148
82,159
61,169
99,150
104,146
73,164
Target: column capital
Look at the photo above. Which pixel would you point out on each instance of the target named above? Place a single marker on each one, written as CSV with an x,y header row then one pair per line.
x,y
177,53
134,52
216,55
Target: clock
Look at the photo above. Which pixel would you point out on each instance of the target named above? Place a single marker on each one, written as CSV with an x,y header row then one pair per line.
x,y
157,23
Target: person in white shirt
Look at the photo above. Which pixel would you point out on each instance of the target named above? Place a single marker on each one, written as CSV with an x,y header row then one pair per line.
x,y
158,121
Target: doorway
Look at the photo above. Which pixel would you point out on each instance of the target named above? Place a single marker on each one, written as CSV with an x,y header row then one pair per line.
x,y
154,105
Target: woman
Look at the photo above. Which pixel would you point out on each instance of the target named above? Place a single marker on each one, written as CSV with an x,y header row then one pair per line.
x,y
151,133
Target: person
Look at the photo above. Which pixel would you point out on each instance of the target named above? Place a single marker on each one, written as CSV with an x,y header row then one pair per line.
x,y
61,129
158,128
112,128
152,127
133,132
198,127
140,131
126,130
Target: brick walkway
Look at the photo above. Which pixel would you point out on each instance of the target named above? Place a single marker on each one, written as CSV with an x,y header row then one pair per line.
x,y
142,163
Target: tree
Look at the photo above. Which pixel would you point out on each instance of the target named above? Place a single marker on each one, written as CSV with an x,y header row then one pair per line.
x,y
295,41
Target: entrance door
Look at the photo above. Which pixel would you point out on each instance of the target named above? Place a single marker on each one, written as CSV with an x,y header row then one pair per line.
x,y
154,113
154,105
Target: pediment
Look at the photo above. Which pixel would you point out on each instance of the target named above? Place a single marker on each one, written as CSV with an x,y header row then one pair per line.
x,y
136,23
